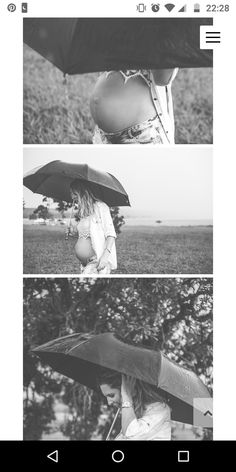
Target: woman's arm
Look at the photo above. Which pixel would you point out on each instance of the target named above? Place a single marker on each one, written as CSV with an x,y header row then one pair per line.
x,y
109,244
127,412
109,233
152,425
163,77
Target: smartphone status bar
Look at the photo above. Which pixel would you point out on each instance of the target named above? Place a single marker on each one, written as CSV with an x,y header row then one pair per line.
x,y
162,9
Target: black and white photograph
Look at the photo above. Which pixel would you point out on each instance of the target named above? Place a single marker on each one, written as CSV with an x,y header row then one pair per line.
x,y
117,81
118,359
95,211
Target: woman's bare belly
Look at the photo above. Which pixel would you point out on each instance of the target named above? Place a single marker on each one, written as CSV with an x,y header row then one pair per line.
x,y
116,105
84,250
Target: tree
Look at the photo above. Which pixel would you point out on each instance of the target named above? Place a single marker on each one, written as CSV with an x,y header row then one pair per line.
x,y
42,212
118,220
33,216
174,315
62,207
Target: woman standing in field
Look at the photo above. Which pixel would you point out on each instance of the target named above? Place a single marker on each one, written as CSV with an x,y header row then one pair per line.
x,y
134,106
95,246
144,414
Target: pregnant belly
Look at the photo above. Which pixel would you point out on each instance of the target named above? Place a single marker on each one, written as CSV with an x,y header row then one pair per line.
x,y
115,105
84,250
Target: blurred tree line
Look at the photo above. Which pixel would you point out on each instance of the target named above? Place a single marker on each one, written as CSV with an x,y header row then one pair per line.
x,y
63,207
43,211
174,315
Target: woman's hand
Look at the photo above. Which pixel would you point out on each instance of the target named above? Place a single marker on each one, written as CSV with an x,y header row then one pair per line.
x,y
104,259
163,77
103,262
127,388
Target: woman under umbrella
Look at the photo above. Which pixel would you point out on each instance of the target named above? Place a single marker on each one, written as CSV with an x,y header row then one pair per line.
x,y
91,192
148,388
95,246
144,413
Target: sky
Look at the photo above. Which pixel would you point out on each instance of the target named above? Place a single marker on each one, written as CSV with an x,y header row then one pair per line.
x,y
165,183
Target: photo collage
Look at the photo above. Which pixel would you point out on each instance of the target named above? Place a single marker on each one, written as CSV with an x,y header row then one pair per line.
x,y
117,240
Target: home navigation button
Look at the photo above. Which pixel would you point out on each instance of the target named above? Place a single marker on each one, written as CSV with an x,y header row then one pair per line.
x,y
118,456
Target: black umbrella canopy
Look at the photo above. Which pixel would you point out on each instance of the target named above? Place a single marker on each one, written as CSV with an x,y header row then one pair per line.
x,y
78,45
79,356
53,180
103,350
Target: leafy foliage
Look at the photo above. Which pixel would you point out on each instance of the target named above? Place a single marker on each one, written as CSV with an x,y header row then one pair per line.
x,y
174,315
118,220
42,212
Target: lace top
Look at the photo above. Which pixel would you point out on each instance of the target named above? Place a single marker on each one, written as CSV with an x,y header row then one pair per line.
x,y
129,73
83,228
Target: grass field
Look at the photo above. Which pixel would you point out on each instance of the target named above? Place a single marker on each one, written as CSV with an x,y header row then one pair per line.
x,y
162,250
55,113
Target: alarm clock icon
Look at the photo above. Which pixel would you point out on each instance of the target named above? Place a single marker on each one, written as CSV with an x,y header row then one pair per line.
x,y
155,7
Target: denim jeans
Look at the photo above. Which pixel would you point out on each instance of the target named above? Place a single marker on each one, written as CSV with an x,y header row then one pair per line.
x,y
147,132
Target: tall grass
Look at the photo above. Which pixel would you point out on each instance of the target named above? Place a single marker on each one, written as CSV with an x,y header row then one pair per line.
x,y
140,250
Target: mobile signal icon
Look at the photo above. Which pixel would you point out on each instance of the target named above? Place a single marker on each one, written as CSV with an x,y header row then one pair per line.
x,y
183,9
169,6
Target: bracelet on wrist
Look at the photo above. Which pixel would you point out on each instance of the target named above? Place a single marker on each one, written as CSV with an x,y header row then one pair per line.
x,y
108,250
127,405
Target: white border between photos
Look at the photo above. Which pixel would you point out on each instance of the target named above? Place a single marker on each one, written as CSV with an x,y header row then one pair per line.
x,y
11,397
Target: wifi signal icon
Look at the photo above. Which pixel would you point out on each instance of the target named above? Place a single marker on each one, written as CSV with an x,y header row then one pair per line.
x,y
169,6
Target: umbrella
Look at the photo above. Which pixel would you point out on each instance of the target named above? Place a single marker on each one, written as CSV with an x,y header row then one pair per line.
x,y
53,180
78,356
78,45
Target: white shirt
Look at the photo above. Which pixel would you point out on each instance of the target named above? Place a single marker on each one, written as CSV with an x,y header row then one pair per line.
x,y
164,107
101,226
155,425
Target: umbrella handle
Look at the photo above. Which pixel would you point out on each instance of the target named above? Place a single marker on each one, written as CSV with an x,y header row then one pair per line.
x,y
65,79
113,423
69,224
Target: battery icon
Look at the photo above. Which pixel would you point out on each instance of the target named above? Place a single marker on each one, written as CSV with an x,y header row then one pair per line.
x,y
197,8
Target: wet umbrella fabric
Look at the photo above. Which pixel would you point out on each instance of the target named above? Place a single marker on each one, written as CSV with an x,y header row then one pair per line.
x,y
78,357
79,45
53,180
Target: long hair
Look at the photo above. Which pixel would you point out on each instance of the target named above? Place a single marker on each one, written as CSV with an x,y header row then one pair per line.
x,y
83,197
142,393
